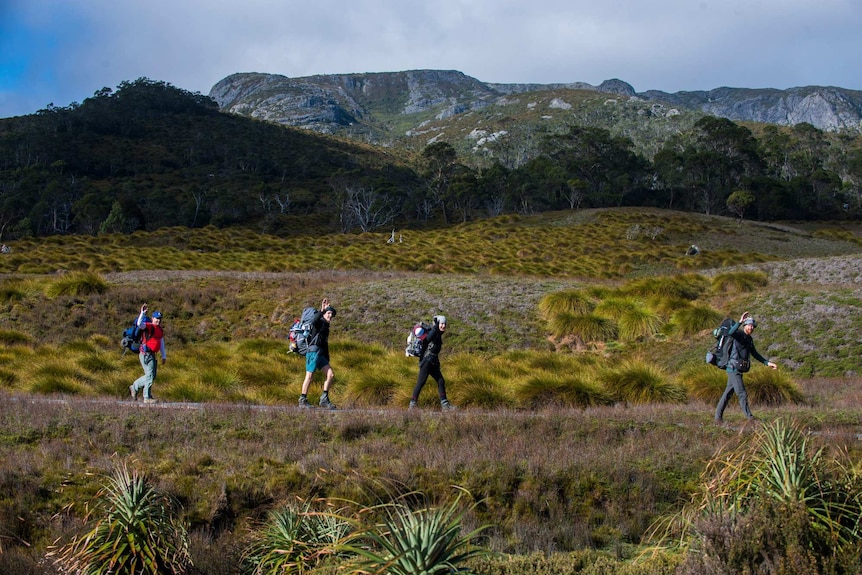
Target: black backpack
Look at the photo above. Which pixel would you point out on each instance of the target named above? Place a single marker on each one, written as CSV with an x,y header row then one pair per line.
x,y
719,354
132,336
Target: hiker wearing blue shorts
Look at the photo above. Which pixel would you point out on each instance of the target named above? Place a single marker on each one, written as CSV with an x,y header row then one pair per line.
x,y
317,356
741,351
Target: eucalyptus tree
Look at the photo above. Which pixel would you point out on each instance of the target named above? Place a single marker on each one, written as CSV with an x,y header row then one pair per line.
x,y
707,164
606,164
439,165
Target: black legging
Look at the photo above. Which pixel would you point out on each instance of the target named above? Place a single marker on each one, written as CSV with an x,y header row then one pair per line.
x,y
430,368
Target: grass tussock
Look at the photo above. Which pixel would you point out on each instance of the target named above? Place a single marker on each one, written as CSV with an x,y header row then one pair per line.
x,y
77,284
739,282
558,390
585,329
638,382
684,287
574,302
694,319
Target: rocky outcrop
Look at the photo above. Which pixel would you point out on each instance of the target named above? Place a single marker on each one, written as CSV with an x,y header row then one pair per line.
x,y
364,103
827,108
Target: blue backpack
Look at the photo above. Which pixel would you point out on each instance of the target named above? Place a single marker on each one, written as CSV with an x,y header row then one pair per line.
x,y
132,336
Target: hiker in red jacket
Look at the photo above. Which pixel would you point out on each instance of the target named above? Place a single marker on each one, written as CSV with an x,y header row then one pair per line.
x,y
152,342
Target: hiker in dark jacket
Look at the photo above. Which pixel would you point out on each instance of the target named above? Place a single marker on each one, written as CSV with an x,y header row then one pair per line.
x,y
317,356
429,364
741,351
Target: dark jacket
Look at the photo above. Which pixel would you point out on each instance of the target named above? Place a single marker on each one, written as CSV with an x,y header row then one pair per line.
x,y
319,338
431,348
742,350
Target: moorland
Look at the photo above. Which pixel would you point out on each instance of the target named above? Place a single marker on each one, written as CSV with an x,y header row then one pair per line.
x,y
575,354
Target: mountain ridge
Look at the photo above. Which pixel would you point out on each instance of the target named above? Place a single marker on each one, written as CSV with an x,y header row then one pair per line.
x,y
377,105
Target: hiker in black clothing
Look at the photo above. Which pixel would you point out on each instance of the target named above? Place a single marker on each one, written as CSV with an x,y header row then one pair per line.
x,y
317,356
741,350
429,364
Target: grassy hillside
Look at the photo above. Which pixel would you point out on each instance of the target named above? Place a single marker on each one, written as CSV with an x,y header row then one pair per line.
x,y
487,277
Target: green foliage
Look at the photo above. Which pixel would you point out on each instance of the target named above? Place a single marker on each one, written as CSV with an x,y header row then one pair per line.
x,y
772,500
294,539
739,201
424,541
137,531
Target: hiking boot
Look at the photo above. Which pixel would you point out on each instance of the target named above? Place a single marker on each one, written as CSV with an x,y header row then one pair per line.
x,y
446,406
303,403
151,400
324,402
133,393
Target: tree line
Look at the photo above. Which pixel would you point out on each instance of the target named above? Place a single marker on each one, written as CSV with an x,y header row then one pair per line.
x,y
149,155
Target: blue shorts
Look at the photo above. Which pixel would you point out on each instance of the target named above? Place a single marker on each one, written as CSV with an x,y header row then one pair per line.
x,y
315,361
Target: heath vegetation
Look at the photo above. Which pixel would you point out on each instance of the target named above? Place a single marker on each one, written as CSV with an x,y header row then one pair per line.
x,y
584,442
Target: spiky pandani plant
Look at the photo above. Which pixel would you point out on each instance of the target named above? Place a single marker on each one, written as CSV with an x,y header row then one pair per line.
x,y
415,541
294,539
775,474
138,531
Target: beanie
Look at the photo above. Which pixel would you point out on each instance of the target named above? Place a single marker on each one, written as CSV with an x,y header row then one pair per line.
x,y
749,321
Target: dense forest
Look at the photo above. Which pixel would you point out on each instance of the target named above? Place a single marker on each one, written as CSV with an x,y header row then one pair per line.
x,y
149,155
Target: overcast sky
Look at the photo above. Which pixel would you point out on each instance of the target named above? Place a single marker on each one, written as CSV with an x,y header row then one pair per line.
x,y
63,51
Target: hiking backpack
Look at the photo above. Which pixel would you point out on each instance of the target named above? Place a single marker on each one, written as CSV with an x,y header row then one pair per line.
x,y
132,336
300,332
719,355
416,339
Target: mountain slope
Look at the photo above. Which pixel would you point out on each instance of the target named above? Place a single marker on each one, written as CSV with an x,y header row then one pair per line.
x,y
383,107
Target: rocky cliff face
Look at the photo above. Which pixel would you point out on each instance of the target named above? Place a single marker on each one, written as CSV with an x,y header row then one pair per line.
x,y
827,108
368,103
328,103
